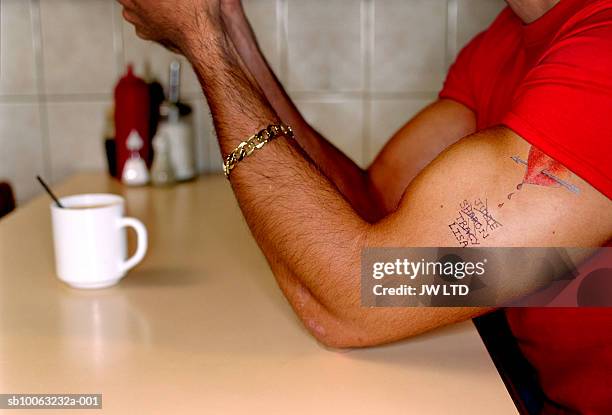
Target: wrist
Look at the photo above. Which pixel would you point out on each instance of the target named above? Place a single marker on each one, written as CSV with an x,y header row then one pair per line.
x,y
201,34
207,52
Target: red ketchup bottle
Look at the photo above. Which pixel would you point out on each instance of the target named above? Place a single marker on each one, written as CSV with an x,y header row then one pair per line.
x,y
131,113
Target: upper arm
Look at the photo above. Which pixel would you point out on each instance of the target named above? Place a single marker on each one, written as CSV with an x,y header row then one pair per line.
x,y
415,145
476,174
428,133
480,168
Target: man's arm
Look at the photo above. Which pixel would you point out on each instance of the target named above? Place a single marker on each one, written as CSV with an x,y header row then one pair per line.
x,y
374,192
313,238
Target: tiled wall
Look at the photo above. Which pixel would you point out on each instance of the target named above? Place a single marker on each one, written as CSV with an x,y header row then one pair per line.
x,y
358,69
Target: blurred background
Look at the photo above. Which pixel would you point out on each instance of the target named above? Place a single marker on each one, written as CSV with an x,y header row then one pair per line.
x,y
357,69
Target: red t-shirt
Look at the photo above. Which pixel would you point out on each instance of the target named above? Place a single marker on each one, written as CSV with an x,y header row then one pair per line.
x,y
551,82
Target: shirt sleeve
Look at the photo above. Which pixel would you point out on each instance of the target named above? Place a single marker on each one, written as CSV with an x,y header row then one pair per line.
x,y
563,106
458,83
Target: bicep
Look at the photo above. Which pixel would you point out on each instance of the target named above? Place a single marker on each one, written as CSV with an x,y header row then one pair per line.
x,y
470,196
479,174
415,145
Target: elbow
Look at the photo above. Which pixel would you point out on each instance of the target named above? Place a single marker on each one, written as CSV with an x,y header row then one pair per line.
x,y
339,322
356,327
344,333
349,337
337,338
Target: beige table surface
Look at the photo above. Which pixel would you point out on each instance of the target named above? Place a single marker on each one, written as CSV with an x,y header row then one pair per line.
x,y
201,327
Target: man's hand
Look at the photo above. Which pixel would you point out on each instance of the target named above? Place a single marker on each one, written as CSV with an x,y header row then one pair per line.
x,y
175,24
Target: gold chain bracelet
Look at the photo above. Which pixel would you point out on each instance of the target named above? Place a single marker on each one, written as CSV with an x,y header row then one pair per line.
x,y
254,142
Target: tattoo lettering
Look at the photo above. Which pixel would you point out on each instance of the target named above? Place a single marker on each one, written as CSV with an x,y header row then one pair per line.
x,y
483,208
473,223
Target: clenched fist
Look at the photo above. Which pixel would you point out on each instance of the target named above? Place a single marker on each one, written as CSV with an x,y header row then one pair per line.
x,y
174,23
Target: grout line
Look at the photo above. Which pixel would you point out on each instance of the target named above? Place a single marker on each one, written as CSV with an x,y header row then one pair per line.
x,y
311,96
368,10
452,11
277,37
78,97
282,39
379,95
37,43
355,95
1,54
55,98
19,99
118,42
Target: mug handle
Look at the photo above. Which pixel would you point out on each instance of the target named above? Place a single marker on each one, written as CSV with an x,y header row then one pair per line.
x,y
141,248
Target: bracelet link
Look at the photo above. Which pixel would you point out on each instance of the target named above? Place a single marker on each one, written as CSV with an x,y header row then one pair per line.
x,y
255,142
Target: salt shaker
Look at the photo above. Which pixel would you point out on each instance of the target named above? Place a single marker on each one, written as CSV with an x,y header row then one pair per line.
x,y
135,172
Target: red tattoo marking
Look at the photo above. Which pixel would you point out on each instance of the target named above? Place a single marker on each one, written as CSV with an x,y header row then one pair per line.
x,y
536,163
542,171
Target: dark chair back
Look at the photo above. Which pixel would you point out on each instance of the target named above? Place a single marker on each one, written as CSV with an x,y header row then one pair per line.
x,y
517,373
7,199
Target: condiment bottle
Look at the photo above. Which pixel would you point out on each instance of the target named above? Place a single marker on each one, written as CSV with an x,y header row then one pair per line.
x,y
131,114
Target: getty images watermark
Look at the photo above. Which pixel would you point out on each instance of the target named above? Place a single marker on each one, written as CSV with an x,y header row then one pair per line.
x,y
457,277
412,270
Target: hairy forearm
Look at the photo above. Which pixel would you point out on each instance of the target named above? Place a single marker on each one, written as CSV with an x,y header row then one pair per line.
x,y
353,182
295,213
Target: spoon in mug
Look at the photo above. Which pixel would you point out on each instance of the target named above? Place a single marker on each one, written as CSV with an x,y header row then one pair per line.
x,y
44,185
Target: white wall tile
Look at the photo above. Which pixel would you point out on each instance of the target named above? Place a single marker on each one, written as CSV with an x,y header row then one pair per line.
x,y
83,48
409,45
208,157
17,63
473,16
215,161
388,116
142,53
77,46
262,15
21,154
324,45
76,132
340,122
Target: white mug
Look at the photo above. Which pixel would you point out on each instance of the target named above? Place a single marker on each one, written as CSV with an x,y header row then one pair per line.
x,y
90,240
